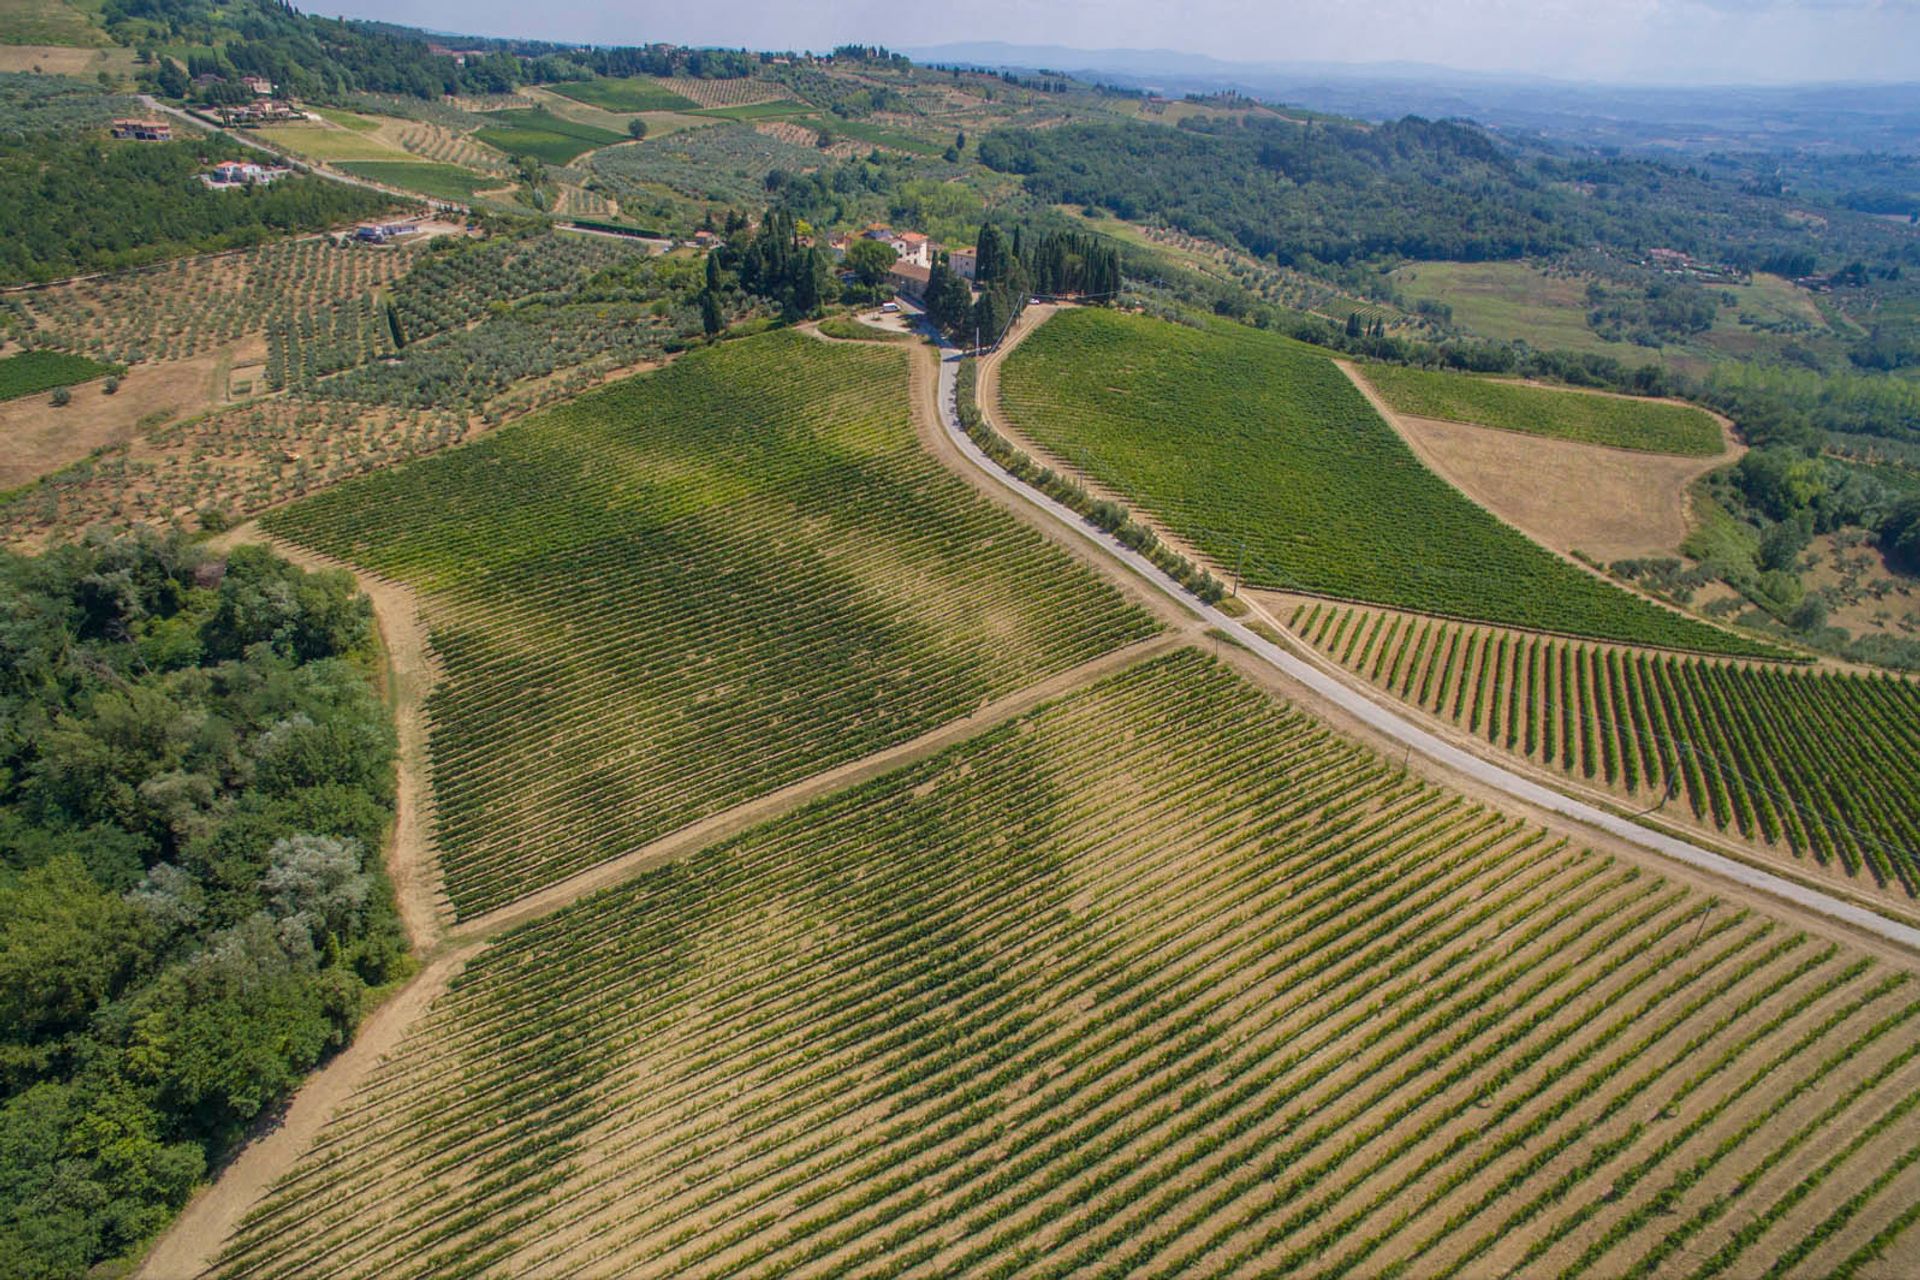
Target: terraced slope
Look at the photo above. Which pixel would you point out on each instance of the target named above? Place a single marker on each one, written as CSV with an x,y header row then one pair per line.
x,y
693,588
1651,426
1821,764
1256,450
1164,978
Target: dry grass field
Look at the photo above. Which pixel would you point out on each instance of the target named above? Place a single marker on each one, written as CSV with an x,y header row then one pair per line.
x,y
1611,504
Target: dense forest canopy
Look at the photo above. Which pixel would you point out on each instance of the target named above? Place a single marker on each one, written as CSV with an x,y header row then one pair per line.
x,y
322,58
74,204
1330,192
195,779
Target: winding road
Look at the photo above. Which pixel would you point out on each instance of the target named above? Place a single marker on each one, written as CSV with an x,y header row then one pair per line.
x,y
1399,728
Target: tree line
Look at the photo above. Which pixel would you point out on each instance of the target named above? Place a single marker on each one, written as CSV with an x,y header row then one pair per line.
x,y
1011,267
196,775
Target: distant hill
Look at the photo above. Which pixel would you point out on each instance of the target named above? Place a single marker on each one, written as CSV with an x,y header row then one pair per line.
x,y
1851,117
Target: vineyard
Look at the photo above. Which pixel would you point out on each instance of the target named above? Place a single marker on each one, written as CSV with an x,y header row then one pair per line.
x,y
724,93
434,142
1162,979
34,371
723,162
538,132
633,93
1653,426
1256,450
194,305
1824,765
693,588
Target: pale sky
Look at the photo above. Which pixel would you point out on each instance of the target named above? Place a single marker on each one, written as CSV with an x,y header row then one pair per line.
x,y
1670,41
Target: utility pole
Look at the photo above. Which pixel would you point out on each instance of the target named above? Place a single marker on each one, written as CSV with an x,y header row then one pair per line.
x,y
1673,784
1703,921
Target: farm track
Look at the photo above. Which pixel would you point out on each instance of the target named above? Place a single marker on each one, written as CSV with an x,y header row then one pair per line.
x,y
690,839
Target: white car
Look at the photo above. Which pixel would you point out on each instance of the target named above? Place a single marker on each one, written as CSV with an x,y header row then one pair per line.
x,y
889,306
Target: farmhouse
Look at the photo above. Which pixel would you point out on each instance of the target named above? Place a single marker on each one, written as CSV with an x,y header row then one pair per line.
x,y
259,86
909,278
382,232
143,130
259,111
237,174
913,247
963,261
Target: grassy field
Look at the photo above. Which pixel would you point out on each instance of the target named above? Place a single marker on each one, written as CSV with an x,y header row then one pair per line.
x,y
346,119
881,136
1512,301
1163,979
47,22
547,137
1817,765
853,330
1648,425
694,588
442,181
630,95
777,109
329,143
34,371
1260,453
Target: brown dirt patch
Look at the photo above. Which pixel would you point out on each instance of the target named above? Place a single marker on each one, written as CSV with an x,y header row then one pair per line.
x,y
36,438
1613,504
59,60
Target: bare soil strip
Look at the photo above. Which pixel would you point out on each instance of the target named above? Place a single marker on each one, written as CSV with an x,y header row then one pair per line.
x,y
411,672
689,840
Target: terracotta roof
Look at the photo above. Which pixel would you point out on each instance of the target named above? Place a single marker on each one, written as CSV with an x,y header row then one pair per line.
x,y
910,271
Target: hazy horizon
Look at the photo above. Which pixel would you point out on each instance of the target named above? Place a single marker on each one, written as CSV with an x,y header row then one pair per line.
x,y
1663,42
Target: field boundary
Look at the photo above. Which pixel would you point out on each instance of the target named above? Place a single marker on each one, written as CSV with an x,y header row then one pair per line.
x,y
708,831
412,671
1393,420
